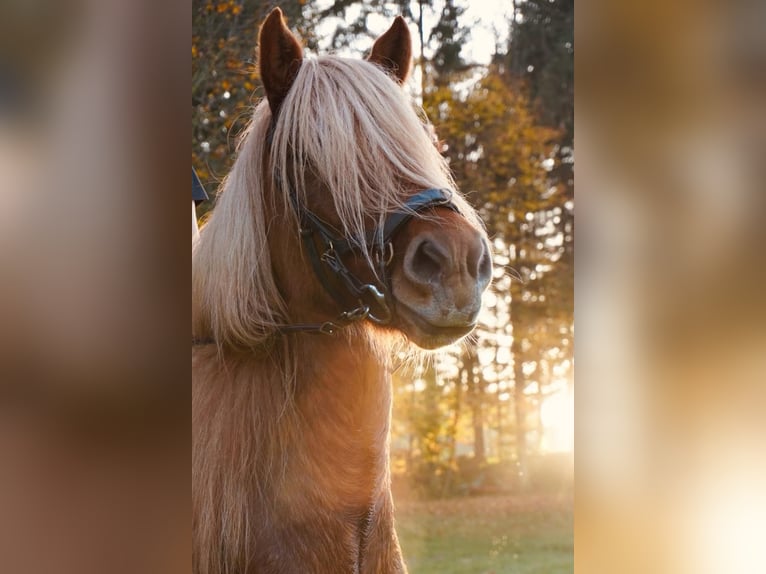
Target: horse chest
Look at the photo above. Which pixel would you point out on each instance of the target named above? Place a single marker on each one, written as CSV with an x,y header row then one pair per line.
x,y
344,412
333,503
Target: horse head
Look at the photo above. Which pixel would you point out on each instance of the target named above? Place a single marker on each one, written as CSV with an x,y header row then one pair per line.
x,y
366,199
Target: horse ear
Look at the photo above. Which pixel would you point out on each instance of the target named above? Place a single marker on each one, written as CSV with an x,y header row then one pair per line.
x,y
279,58
393,50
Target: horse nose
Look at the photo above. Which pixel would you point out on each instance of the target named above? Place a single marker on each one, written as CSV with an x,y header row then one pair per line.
x,y
433,258
425,260
480,263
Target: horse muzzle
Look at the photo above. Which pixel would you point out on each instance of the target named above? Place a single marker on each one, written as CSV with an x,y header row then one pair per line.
x,y
440,281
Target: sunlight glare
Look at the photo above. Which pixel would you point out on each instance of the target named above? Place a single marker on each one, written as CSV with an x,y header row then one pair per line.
x,y
557,415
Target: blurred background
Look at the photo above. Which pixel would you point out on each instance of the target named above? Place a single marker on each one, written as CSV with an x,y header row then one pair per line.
x,y
671,276
482,443
94,368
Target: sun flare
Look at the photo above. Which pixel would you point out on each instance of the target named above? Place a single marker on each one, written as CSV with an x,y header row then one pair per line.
x,y
557,416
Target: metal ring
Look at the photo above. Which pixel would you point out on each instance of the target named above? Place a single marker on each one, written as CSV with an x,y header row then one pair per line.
x,y
380,300
357,314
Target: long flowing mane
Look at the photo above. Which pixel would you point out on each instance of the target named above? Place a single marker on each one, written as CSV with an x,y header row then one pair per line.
x,y
347,124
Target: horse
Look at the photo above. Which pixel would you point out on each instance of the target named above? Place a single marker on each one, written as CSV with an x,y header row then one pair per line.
x,y
337,237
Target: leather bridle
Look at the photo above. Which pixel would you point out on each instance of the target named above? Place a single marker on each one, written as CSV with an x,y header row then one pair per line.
x,y
326,250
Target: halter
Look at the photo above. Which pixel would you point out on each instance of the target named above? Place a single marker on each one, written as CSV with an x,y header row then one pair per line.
x,y
373,300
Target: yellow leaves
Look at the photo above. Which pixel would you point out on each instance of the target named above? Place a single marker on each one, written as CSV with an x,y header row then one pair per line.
x,y
229,8
202,172
195,52
496,143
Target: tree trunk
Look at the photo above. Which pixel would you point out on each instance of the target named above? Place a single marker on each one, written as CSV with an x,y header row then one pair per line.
x,y
543,380
499,405
456,412
452,435
421,32
519,384
476,386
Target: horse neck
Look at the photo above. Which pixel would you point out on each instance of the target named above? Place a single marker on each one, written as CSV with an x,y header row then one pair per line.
x,y
310,415
343,399
310,453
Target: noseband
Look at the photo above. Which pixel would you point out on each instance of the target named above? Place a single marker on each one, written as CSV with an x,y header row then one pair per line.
x,y
325,250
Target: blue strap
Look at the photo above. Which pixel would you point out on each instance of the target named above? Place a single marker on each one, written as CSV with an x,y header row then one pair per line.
x,y
198,192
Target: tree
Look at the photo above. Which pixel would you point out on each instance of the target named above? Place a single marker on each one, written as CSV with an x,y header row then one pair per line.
x,y
498,154
448,38
541,53
541,50
225,80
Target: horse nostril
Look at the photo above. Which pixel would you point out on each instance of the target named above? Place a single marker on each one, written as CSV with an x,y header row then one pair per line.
x,y
425,261
479,262
485,266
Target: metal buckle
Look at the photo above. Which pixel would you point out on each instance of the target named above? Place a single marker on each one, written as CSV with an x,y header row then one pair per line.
x,y
345,318
328,328
361,312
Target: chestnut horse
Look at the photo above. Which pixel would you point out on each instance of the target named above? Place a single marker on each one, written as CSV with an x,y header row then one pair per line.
x,y
337,235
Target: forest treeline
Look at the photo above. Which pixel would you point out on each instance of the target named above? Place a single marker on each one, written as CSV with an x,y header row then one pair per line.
x,y
495,414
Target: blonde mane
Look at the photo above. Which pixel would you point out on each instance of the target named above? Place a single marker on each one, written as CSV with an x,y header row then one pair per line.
x,y
350,126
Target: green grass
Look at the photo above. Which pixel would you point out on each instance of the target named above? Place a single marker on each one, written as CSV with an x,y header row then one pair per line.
x,y
487,535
